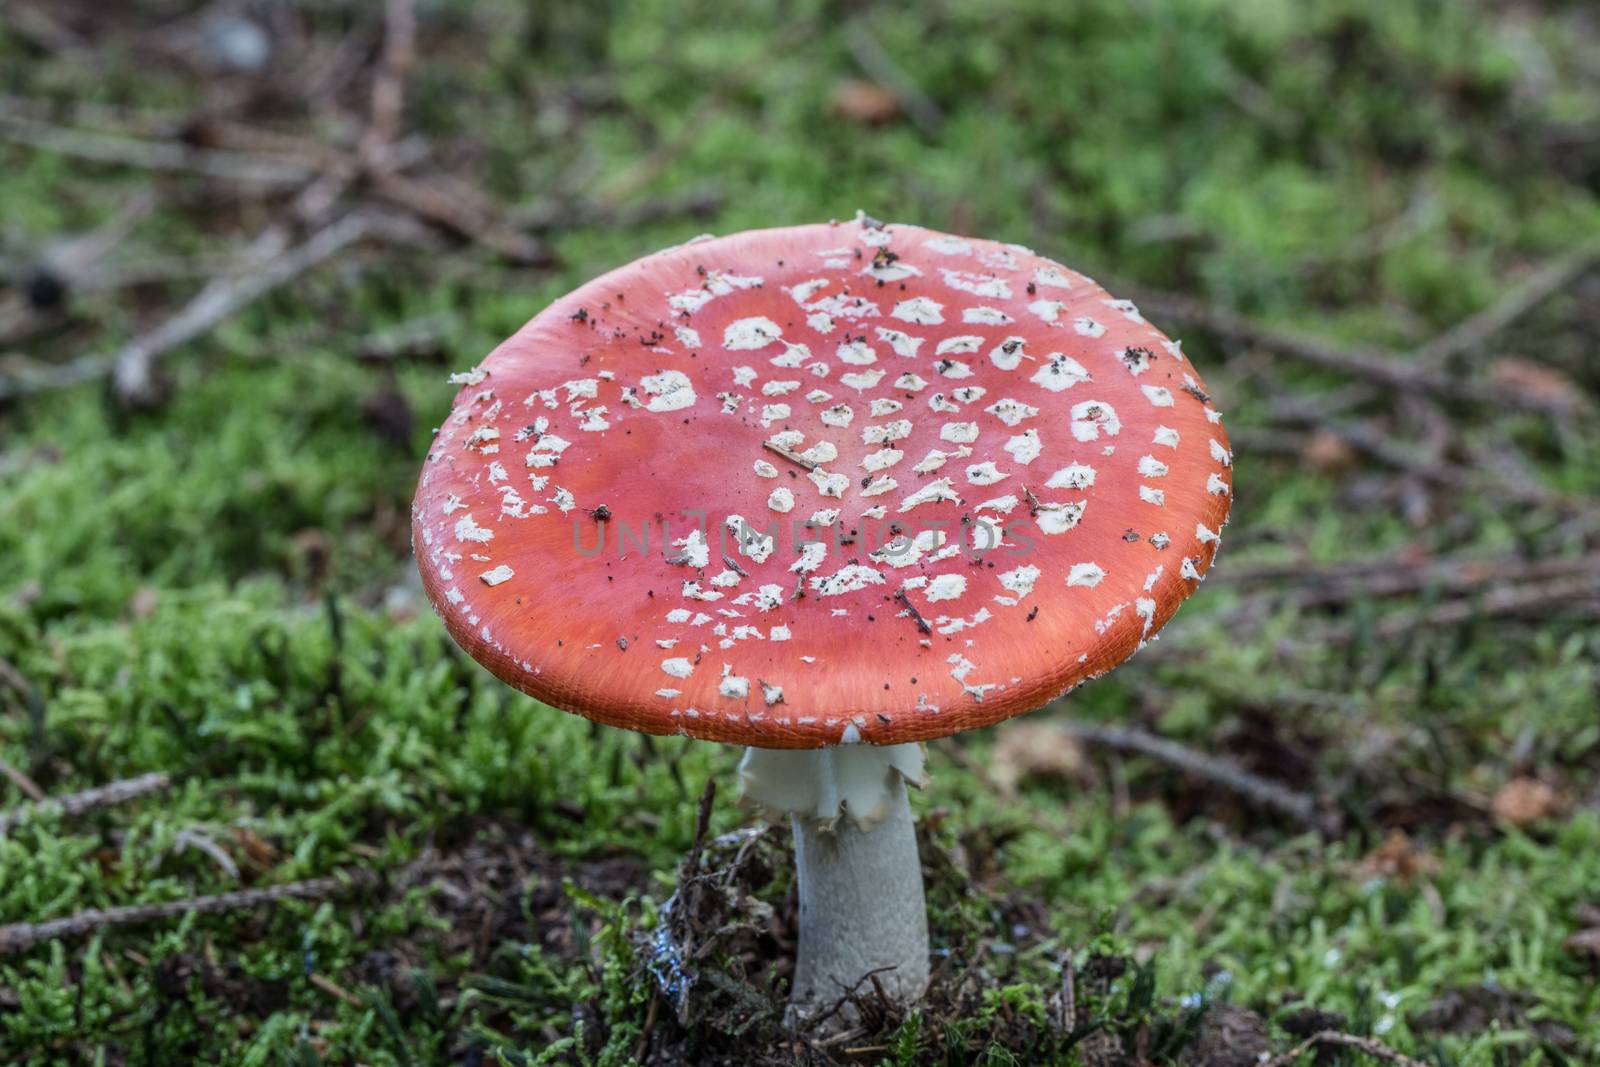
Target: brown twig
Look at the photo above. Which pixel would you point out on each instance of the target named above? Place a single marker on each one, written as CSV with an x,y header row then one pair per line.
x,y
472,216
1259,791
18,937
1366,438
27,786
455,206
702,826
73,804
334,989
72,258
30,23
1069,992
916,616
790,454
68,265
1385,368
814,1023
133,366
642,1045
460,208
1371,1046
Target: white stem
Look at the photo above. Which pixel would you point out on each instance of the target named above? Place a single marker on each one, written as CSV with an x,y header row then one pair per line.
x,y
860,882
861,909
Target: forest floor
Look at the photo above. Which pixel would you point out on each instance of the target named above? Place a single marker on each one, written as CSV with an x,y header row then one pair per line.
x,y
1346,810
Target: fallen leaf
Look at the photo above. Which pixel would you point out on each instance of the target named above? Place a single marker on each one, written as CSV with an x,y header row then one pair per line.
x,y
865,102
1584,943
1035,752
1523,801
143,602
1229,1034
1326,451
260,851
1544,385
1396,858
314,551
388,412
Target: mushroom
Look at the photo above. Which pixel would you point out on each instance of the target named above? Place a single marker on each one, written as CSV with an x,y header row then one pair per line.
x,y
825,492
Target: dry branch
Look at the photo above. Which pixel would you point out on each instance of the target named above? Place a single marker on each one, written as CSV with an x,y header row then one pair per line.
x,y
471,216
1333,585
1373,443
1380,366
133,368
155,155
323,173
104,796
1531,598
19,937
1371,1046
1384,368
1259,791
1567,594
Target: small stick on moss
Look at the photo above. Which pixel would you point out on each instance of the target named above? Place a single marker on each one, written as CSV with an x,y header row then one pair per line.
x,y
642,1045
18,937
27,785
814,1024
103,796
1371,1046
335,990
133,368
1069,992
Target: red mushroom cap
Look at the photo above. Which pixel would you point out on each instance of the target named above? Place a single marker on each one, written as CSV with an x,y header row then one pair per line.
x,y
1027,479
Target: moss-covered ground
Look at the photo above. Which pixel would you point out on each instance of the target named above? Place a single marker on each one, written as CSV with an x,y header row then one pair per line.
x,y
217,585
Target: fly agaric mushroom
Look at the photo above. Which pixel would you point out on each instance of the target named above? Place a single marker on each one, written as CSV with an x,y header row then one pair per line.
x,y
827,492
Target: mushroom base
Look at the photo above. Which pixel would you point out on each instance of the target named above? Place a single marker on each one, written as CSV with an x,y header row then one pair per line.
x,y
862,912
